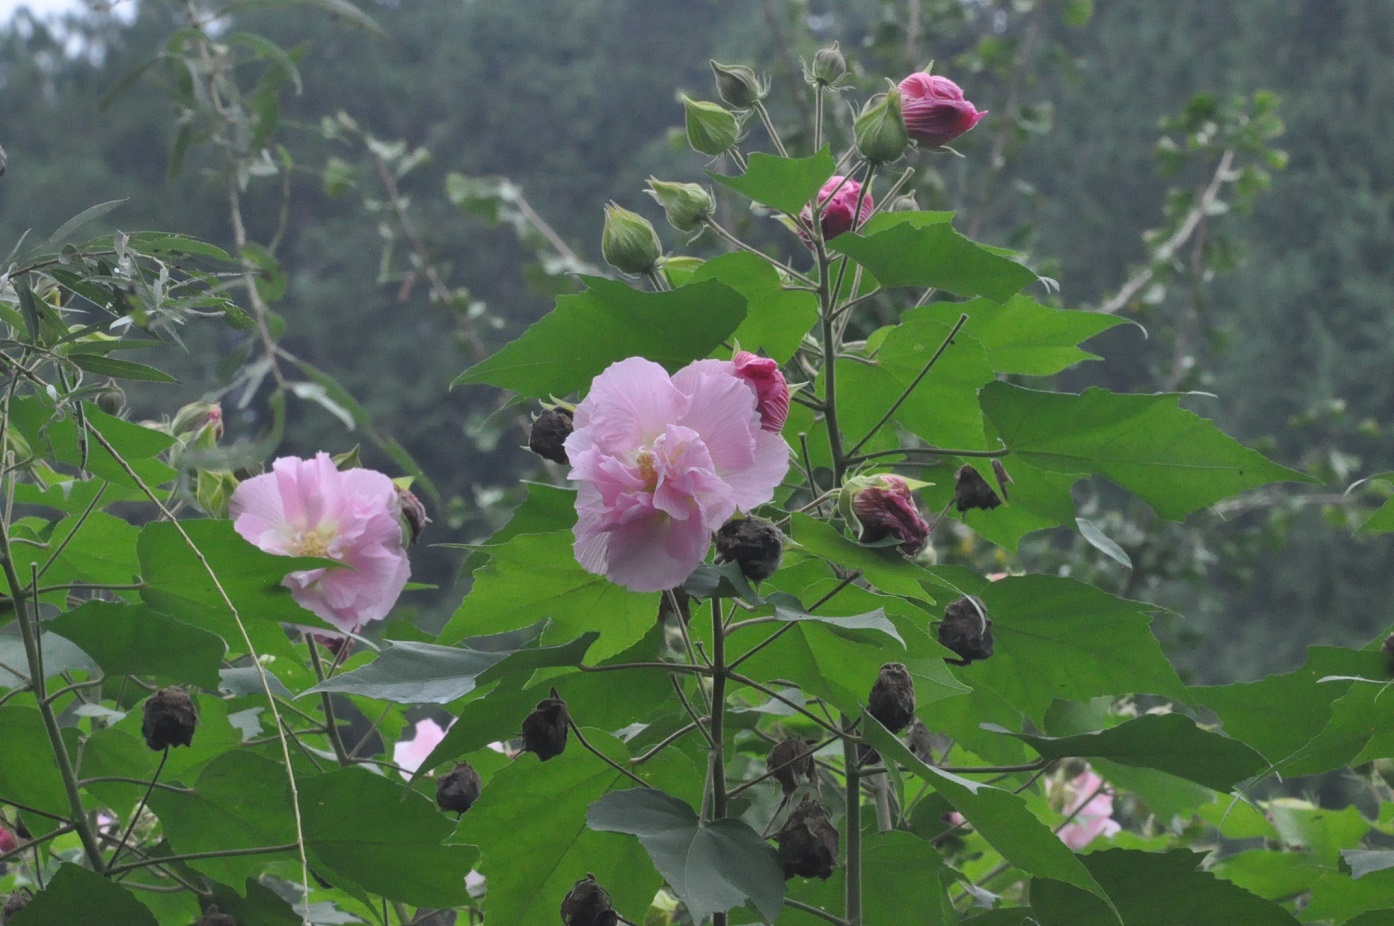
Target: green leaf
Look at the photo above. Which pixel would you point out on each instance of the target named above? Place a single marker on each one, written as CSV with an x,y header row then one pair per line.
x,y
127,639
898,251
610,321
1102,542
65,231
1363,861
120,369
788,609
1059,638
711,867
1169,457
349,12
1154,889
59,656
786,184
1269,874
422,673
883,567
1166,742
535,576
777,318
1021,335
153,242
530,823
1000,817
77,895
1382,521
364,828
238,802
59,435
26,776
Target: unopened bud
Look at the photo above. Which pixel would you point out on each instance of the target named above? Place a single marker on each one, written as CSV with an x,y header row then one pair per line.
x,y
808,842
686,205
967,630
588,904
629,242
880,129
738,85
111,399
544,730
710,128
548,436
828,66
458,789
199,423
170,719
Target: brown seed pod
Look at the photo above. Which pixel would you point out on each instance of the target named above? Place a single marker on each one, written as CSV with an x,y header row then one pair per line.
x,y
967,630
544,730
170,719
588,904
972,491
413,511
808,842
755,544
212,917
892,699
789,760
548,436
458,789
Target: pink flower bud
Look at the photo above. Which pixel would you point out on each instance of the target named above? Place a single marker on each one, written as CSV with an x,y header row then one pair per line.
x,y
771,391
886,508
7,840
935,111
840,213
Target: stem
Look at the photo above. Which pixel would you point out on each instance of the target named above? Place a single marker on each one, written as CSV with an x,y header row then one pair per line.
x,y
667,741
691,711
821,914
924,371
580,738
751,683
135,816
219,853
854,829
720,673
331,722
927,451
769,127
726,236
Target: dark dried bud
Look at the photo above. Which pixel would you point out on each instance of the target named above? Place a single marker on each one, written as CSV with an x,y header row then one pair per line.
x,y
212,917
1388,646
1003,479
170,719
675,604
413,511
921,741
789,760
967,630
808,842
972,491
13,904
588,904
892,699
458,789
549,432
755,544
544,730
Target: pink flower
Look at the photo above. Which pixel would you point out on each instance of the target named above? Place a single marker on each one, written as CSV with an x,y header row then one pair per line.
x,y
840,213
409,754
771,391
310,508
661,463
883,506
1087,798
935,111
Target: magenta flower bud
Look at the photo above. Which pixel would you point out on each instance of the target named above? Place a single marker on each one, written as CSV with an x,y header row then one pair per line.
x,y
935,111
8,842
771,391
885,507
840,213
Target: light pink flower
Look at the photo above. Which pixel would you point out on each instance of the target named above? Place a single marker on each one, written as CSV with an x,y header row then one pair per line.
x,y
840,213
935,111
771,391
1088,798
661,463
310,508
409,754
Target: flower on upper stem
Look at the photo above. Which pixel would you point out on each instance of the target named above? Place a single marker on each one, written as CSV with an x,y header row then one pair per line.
x,y
1088,799
884,506
838,198
935,111
311,508
661,462
409,754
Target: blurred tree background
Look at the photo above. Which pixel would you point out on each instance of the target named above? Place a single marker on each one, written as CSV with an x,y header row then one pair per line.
x,y
426,187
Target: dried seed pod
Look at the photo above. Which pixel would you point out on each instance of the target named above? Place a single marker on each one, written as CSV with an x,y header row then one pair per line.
x,y
755,544
892,699
548,436
789,760
212,917
920,741
808,842
967,630
170,719
458,789
413,511
972,491
588,904
13,904
544,730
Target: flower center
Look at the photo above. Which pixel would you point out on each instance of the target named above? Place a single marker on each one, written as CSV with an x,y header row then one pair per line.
x,y
647,470
313,543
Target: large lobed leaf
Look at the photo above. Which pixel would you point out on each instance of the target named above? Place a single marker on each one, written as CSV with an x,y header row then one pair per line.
x,y
786,184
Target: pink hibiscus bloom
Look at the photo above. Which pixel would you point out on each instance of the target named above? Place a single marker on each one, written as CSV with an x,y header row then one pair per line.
x,y
661,463
1088,798
310,508
935,111
408,755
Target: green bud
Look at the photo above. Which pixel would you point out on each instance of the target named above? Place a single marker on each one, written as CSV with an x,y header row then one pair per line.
x,y
738,85
828,66
629,242
199,424
880,129
685,204
710,128
904,203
